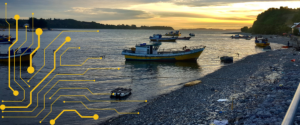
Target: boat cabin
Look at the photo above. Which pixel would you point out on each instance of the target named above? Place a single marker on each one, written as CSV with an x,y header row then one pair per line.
x,y
146,48
156,36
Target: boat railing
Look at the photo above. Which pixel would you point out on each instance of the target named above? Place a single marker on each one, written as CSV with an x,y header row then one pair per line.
x,y
179,50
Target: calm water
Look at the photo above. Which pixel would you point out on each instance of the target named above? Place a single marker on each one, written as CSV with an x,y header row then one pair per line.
x,y
147,79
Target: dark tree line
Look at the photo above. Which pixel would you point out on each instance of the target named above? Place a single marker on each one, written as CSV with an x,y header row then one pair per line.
x,y
71,23
274,21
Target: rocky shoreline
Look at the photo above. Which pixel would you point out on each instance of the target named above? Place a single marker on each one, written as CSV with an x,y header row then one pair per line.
x,y
256,90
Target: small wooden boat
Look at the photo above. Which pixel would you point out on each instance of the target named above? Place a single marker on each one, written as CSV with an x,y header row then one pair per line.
x,y
183,38
120,93
238,36
151,52
192,34
262,42
176,33
24,57
158,37
4,39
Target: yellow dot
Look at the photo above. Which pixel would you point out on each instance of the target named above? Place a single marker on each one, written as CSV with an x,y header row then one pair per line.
x,y
118,68
138,113
30,70
17,17
38,31
52,121
16,93
28,81
145,100
95,117
100,57
78,47
64,101
32,13
97,30
5,3
2,107
49,97
68,39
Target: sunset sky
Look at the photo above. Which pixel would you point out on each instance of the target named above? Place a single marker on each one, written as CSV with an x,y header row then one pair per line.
x,y
223,14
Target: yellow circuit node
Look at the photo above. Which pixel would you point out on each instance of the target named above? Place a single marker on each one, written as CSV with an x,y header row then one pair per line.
x,y
2,107
97,30
95,117
138,112
78,47
16,93
118,68
5,3
145,100
30,70
38,31
52,121
68,39
17,17
100,57
32,13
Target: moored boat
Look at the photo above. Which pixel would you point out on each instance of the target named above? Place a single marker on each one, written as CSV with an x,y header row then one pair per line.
x,y
192,34
238,36
151,52
176,33
24,54
158,37
6,39
262,42
183,38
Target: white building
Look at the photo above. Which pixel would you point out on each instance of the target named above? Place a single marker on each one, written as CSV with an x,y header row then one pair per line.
x,y
296,25
26,24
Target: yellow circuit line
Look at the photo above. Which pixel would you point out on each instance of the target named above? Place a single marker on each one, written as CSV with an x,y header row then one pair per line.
x,y
100,108
91,101
21,57
45,95
39,42
49,45
9,53
20,71
6,21
71,110
54,67
81,88
67,50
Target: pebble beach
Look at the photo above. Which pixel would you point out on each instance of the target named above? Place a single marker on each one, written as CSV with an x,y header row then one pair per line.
x,y
256,90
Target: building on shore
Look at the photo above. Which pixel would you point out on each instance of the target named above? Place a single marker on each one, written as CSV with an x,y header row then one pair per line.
x,y
296,25
26,24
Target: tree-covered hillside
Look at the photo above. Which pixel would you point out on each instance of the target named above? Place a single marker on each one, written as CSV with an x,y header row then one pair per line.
x,y
274,21
71,23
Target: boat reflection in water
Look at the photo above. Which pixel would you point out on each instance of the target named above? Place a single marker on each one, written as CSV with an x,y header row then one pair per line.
x,y
150,78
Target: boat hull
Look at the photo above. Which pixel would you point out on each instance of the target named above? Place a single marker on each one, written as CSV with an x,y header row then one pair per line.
x,y
191,56
184,38
164,40
24,58
5,41
262,44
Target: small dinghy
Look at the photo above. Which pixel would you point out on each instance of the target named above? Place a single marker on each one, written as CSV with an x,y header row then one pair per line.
x,y
192,34
120,93
183,38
